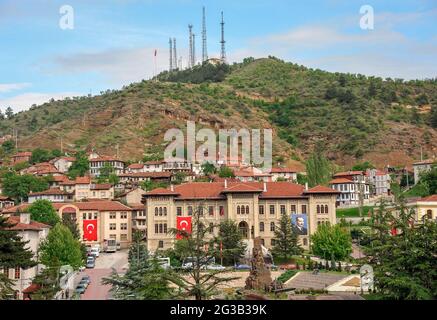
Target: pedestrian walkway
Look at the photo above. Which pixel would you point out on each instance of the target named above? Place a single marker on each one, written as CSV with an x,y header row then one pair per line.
x,y
307,280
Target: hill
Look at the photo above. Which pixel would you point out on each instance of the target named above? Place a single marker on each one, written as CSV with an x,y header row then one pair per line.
x,y
354,117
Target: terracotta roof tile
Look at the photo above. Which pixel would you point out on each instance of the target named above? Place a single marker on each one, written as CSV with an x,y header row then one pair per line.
x,y
431,198
321,189
17,225
340,180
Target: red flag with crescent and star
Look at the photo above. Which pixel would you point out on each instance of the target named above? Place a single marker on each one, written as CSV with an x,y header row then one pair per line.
x,y
183,224
90,230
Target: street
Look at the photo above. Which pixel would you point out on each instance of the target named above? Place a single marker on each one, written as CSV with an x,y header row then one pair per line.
x,y
104,265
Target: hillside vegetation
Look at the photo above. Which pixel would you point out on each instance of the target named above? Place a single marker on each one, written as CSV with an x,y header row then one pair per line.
x,y
355,117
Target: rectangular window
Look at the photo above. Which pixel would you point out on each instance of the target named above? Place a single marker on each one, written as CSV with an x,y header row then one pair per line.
x,y
123,215
211,210
112,236
272,209
304,209
17,273
84,216
179,211
112,226
123,226
190,210
261,209
90,215
156,228
112,215
160,244
165,227
222,210
95,215
282,209
293,209
123,237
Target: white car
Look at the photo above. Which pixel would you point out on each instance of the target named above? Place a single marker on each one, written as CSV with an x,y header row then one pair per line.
x,y
215,267
95,252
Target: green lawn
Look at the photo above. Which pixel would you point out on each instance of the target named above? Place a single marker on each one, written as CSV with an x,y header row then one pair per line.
x,y
353,212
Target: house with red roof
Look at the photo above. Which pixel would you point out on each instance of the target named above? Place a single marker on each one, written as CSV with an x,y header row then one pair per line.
x,y
352,186
255,206
97,163
33,232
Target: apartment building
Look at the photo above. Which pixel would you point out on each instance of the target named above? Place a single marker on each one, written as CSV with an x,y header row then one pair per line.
x,y
97,163
52,195
379,180
255,206
350,185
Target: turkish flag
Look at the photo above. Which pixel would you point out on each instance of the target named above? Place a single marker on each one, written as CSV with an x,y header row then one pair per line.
x,y
90,230
183,224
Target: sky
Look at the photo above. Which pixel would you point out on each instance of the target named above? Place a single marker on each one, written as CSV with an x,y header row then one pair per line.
x,y
111,43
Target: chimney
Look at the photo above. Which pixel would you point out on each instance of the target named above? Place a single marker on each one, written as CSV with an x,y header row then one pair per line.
x,y
25,218
172,188
306,186
226,183
265,187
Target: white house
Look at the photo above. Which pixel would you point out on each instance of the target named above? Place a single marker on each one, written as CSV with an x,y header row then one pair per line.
x,y
380,181
350,185
52,195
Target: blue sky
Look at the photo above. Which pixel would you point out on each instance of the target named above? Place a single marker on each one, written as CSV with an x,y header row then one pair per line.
x,y
113,41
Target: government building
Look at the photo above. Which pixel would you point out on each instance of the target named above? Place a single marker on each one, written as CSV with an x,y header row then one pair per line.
x,y
255,206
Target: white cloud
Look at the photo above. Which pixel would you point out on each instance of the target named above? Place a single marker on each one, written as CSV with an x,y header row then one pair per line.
x,y
7,87
26,100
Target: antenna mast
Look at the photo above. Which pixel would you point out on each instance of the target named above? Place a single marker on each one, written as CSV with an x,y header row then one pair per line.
x,y
175,57
204,45
171,54
190,59
194,50
223,51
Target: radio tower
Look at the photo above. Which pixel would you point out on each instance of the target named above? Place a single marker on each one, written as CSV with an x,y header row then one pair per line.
x,y
175,57
194,50
204,46
190,58
171,54
223,52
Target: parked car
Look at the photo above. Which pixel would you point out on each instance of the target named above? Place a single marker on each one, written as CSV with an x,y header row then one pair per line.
x,y
242,267
80,289
95,252
86,278
84,283
90,263
215,267
118,246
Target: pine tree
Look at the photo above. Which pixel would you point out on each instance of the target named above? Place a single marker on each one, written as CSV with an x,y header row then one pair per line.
x,y
231,240
12,254
286,241
138,253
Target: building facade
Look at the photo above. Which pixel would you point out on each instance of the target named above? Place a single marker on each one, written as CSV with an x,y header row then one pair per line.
x,y
255,206
422,167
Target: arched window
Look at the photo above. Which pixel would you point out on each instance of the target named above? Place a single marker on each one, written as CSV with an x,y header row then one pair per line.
x,y
165,211
247,209
326,209
272,226
243,210
318,209
156,211
160,211
238,209
160,228
261,226
322,209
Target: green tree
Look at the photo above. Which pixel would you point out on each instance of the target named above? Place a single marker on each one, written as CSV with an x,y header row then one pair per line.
x,y
434,116
331,241
208,168
44,212
61,248
199,247
404,264
48,282
40,155
9,112
8,146
13,253
226,172
105,173
80,166
231,240
429,179
286,241
318,169
363,166
71,224
145,278
19,186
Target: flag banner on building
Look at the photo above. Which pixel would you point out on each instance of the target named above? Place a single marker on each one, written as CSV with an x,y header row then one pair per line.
x,y
183,224
90,230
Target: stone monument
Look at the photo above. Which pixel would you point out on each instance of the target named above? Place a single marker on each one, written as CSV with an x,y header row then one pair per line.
x,y
259,277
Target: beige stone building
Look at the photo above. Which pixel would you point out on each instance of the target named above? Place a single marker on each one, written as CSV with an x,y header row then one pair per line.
x,y
255,206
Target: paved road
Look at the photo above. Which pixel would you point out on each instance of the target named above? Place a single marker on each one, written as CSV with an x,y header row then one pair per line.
x,y
104,264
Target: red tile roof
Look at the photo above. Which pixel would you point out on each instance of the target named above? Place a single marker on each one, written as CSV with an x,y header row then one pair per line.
x,y
82,180
216,190
54,191
321,189
101,186
340,180
97,205
146,175
136,166
153,162
348,173
18,226
432,198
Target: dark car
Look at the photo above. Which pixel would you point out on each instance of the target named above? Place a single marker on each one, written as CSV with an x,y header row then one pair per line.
x,y
80,289
86,278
